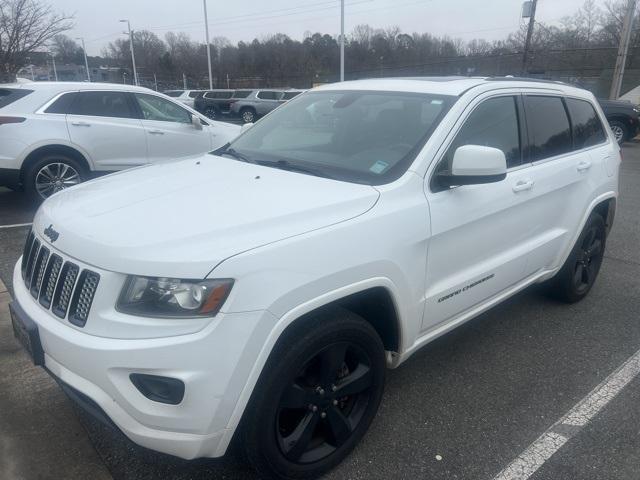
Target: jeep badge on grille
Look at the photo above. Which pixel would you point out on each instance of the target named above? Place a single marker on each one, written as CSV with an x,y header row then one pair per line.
x,y
51,233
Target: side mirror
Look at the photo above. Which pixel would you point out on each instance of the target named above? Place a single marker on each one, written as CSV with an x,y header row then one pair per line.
x,y
195,121
473,165
245,127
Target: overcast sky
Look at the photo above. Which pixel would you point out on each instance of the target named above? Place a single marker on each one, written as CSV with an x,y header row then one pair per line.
x,y
97,21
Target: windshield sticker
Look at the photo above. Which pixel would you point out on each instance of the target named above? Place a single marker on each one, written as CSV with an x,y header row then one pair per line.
x,y
436,102
379,167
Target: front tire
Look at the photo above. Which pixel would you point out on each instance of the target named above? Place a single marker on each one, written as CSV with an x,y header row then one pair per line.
x,y
248,115
317,396
578,274
52,173
212,113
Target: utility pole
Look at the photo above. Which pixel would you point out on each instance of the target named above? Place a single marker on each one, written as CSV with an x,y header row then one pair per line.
x,y
184,80
206,29
133,57
527,42
53,62
155,81
342,40
623,49
86,62
227,81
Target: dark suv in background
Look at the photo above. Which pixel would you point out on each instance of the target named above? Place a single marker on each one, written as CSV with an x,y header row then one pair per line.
x,y
622,117
214,103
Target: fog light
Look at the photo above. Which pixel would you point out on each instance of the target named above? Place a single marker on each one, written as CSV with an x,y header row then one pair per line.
x,y
159,389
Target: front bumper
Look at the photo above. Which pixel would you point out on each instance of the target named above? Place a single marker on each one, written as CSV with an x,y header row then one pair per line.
x,y
213,363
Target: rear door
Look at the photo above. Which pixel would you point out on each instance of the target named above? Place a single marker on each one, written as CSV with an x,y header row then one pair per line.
x,y
480,233
568,149
105,125
169,131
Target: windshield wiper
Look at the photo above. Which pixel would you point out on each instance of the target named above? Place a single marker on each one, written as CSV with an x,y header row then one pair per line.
x,y
233,153
292,167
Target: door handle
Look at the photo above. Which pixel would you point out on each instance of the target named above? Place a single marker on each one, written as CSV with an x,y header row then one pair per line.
x,y
583,166
523,185
80,124
156,132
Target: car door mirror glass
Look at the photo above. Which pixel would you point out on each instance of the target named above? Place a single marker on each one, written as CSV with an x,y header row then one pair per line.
x,y
475,164
195,121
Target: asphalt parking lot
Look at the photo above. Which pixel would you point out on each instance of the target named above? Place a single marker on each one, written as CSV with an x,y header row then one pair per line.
x,y
467,405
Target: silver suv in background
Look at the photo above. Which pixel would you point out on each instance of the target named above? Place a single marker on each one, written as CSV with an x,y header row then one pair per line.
x,y
184,96
249,105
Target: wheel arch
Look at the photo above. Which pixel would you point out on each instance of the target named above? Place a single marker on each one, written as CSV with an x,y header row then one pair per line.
x,y
362,297
37,152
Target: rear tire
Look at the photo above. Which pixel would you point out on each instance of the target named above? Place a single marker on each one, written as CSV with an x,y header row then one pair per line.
x,y
51,173
579,272
301,420
619,130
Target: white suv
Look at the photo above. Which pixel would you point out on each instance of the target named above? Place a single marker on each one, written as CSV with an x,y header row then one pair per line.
x,y
262,290
55,135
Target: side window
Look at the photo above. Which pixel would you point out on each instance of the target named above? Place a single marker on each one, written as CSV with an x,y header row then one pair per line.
x,y
62,104
157,108
101,104
194,94
548,125
494,123
268,95
587,127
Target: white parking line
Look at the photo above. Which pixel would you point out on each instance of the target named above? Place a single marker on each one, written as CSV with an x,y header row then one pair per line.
x,y
570,424
16,225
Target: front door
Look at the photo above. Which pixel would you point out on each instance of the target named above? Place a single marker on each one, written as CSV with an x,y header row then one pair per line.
x,y
105,125
480,233
170,132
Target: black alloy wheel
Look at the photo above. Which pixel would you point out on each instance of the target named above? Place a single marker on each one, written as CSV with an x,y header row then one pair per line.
x,y
319,410
589,259
316,397
579,272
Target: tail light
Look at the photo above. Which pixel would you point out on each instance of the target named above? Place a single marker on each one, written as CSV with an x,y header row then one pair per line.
x,y
5,120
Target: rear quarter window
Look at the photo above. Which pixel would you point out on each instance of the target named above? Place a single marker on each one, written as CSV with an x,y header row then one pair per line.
x,y
587,127
62,104
10,95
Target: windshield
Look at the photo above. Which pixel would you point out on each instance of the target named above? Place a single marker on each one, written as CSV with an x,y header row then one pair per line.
x,y
359,136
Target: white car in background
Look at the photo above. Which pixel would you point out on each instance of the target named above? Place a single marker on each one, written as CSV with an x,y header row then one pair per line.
x,y
184,96
56,135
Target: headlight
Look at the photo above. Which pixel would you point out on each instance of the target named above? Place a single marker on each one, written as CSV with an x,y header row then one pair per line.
x,y
172,297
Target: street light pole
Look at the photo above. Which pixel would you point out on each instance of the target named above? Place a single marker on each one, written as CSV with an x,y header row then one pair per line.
x,y
206,29
342,40
133,56
86,62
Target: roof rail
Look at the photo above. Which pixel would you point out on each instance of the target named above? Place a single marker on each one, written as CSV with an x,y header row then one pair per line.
x,y
524,79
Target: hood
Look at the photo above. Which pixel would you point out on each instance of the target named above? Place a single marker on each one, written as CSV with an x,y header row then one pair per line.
x,y
180,219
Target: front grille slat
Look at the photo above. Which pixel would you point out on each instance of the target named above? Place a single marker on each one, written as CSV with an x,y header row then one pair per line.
x,y
83,297
64,289
49,280
31,262
56,284
25,254
38,271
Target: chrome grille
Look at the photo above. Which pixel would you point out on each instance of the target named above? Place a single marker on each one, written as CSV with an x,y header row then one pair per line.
x,y
83,297
57,284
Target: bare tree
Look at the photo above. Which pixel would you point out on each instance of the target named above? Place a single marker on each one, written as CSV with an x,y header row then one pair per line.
x,y
66,49
26,26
